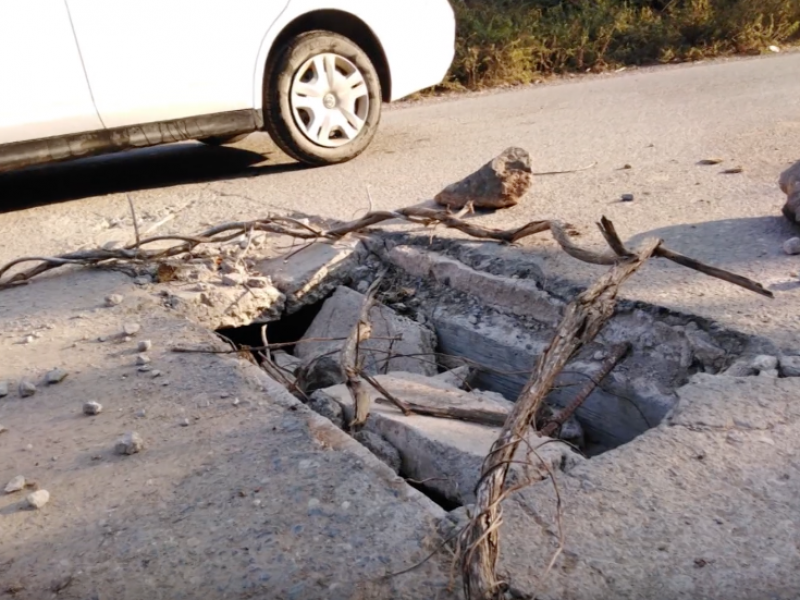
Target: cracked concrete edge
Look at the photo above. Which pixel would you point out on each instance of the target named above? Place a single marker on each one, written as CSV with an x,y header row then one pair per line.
x,y
498,275
330,436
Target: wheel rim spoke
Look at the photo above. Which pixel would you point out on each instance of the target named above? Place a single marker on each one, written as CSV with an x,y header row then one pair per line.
x,y
329,99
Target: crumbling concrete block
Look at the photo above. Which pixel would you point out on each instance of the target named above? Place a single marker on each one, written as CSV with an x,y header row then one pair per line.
x,y
397,343
446,454
518,296
311,274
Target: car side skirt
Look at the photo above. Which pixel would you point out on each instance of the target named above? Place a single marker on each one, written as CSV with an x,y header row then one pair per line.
x,y
92,143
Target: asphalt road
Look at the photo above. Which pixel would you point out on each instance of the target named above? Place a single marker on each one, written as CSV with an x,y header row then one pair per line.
x,y
661,122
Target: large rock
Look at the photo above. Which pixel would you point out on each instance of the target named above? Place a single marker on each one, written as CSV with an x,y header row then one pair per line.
x,y
312,273
790,184
500,183
397,343
445,454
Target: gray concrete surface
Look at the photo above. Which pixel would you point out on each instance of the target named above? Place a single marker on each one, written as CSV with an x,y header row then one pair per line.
x,y
659,121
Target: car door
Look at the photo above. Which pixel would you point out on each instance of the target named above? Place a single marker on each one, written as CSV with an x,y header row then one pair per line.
x,y
159,60
43,87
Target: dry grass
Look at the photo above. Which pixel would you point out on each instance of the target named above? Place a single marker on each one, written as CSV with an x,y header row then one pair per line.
x,y
519,41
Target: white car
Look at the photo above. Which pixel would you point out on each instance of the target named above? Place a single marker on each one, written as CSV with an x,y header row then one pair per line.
x,y
86,77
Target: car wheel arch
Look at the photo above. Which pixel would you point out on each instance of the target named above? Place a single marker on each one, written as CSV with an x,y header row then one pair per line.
x,y
344,24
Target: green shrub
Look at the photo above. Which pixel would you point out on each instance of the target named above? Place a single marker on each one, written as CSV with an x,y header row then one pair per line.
x,y
517,41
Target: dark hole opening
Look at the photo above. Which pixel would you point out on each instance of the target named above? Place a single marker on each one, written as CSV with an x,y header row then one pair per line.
x,y
288,330
438,498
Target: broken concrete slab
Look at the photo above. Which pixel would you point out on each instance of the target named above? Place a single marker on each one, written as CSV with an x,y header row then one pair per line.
x,y
445,454
680,512
312,273
518,296
218,306
397,343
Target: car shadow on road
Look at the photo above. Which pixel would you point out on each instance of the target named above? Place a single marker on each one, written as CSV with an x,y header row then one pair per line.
x,y
157,167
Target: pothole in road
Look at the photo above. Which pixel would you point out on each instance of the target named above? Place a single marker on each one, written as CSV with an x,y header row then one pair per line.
x,y
460,325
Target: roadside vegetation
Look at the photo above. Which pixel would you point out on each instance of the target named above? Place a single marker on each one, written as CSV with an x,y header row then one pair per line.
x,y
520,41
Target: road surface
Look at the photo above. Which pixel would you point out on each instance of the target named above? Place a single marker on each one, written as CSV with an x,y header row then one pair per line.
x,y
661,122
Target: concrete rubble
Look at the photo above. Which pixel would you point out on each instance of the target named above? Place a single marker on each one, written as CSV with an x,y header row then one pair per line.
x,y
445,454
397,343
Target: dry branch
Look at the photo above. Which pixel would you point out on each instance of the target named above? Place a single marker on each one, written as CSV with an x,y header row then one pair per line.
x,y
351,358
583,319
617,354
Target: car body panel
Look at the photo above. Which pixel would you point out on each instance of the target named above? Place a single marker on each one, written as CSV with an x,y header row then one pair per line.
x,y
44,88
159,60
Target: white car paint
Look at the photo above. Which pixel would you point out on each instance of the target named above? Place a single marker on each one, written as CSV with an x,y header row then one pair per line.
x,y
75,66
43,89
159,60
417,36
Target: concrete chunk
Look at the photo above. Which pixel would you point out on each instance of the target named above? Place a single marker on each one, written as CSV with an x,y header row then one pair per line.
x,y
311,274
446,453
410,345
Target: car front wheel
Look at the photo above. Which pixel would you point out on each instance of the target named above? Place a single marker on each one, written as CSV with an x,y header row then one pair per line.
x,y
322,99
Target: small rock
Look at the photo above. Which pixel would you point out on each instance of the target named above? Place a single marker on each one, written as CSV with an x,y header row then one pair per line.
x,y
765,362
155,374
236,402
142,280
790,366
141,413
56,376
130,443
15,485
131,328
792,246
145,368
184,422
775,49
3,389
362,287
742,367
145,345
38,499
233,279
114,300
326,406
626,198
258,282
500,183
142,360
3,429
28,339
768,373
92,408
26,388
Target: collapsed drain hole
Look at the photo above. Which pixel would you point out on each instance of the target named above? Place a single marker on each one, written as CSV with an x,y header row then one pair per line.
x,y
287,330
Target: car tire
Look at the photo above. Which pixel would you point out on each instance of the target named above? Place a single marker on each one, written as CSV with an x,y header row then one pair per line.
x,y
322,99
219,140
